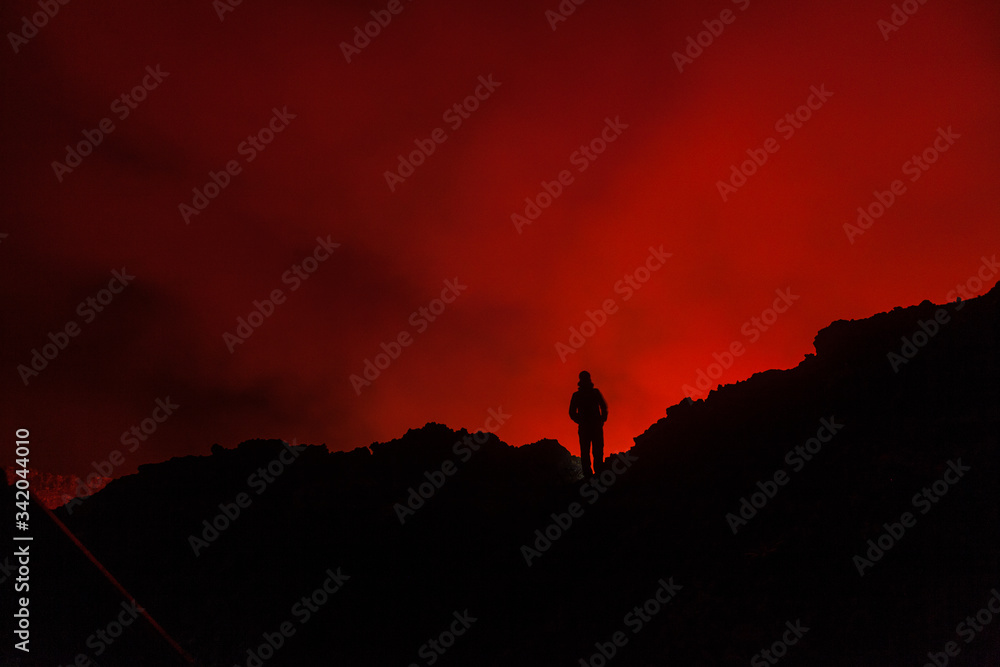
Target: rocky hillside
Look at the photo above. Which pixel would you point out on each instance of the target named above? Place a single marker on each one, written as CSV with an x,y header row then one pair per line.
x,y
843,512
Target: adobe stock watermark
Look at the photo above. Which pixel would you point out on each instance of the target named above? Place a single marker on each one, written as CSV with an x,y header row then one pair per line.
x,y
779,649
249,149
926,330
592,490
913,343
630,283
797,457
562,12
752,329
787,125
6,569
924,501
86,309
713,29
258,481
372,29
454,115
294,277
898,18
121,106
23,585
581,158
163,409
301,612
432,650
30,25
222,7
463,449
915,167
420,320
967,630
635,620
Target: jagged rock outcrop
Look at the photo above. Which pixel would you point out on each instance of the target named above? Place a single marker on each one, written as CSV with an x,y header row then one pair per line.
x,y
751,506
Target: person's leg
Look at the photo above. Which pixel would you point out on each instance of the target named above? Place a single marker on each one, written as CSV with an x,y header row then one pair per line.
x,y
585,452
598,447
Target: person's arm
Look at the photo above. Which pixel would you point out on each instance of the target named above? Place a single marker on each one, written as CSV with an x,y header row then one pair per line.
x,y
574,409
603,405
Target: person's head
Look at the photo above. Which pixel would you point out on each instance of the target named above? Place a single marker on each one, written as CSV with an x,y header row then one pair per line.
x,y
585,380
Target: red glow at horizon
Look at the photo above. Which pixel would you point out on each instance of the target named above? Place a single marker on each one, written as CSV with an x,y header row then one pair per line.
x,y
494,346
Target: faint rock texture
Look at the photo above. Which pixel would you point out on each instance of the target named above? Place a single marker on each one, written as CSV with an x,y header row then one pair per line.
x,y
663,518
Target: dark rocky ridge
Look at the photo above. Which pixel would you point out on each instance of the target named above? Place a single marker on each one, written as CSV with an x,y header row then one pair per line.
x,y
663,517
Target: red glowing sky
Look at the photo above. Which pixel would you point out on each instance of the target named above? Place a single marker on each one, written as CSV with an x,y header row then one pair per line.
x,y
495,346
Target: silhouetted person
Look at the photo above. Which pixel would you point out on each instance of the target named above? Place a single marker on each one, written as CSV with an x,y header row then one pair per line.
x,y
588,409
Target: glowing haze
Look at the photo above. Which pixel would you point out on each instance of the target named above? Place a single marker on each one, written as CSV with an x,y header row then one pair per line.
x,y
608,195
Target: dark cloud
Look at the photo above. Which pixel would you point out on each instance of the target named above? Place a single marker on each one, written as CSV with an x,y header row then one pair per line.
x,y
324,175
